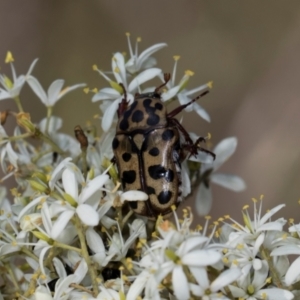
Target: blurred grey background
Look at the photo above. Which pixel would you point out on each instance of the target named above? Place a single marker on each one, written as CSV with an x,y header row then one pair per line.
x,y
250,49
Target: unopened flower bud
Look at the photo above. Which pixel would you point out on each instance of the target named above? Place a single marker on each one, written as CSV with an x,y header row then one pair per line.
x,y
38,186
81,137
23,119
3,116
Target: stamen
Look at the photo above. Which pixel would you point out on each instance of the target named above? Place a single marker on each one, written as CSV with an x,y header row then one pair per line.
x,y
129,44
9,57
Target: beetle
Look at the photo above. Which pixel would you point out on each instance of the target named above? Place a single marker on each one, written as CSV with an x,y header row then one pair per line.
x,y
148,151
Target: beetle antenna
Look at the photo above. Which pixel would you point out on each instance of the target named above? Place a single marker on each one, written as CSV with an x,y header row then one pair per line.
x,y
167,77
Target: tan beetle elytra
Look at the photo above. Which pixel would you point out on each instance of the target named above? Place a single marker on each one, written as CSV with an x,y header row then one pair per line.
x,y
148,151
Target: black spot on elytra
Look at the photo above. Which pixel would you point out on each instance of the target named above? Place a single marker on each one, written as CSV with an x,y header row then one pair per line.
x,y
157,171
159,106
167,134
137,116
129,176
169,176
153,118
115,143
126,156
124,124
150,190
154,151
164,197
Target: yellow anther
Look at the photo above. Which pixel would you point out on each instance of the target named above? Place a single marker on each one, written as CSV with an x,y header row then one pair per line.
x,y
9,57
261,197
117,70
127,34
221,219
225,260
199,227
291,221
95,90
189,73
225,250
96,116
208,136
299,201
86,90
173,207
245,207
176,57
240,246
124,53
235,262
210,84
95,68
207,217
269,280
216,223
139,39
284,236
121,268
254,200
227,216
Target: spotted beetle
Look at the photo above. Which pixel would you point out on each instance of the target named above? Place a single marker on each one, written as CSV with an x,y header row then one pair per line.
x,y
148,151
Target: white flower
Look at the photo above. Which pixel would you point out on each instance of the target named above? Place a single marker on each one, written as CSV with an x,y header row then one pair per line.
x,y
222,151
115,93
55,91
254,227
251,287
143,61
12,89
183,95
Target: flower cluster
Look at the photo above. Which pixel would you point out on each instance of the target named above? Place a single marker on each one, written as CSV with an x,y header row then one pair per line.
x,y
68,231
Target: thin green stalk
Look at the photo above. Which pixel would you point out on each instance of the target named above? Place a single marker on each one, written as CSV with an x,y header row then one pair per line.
x,y
274,274
49,114
85,254
66,247
18,103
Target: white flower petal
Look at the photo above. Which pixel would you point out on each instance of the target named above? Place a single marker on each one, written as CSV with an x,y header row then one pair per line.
x,y
57,171
292,274
61,223
275,226
138,285
134,196
92,187
37,88
224,150
180,284
4,94
148,52
201,258
201,112
109,114
64,286
225,278
87,215
203,200
286,250
270,213
228,181
59,268
118,68
170,93
143,77
54,90
201,277
68,89
106,94
70,183
94,240
274,294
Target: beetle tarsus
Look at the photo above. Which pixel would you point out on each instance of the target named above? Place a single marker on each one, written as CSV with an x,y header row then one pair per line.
x,y
167,77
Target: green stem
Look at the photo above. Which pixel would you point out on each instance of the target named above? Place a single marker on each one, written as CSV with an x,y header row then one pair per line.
x,y
19,137
49,114
12,277
85,254
18,103
67,247
274,274
29,253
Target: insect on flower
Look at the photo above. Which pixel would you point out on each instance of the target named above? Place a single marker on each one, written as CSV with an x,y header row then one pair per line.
x,y
148,151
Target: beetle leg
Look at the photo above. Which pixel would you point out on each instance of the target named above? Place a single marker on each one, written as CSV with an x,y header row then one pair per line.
x,y
124,103
113,160
180,108
167,77
186,135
